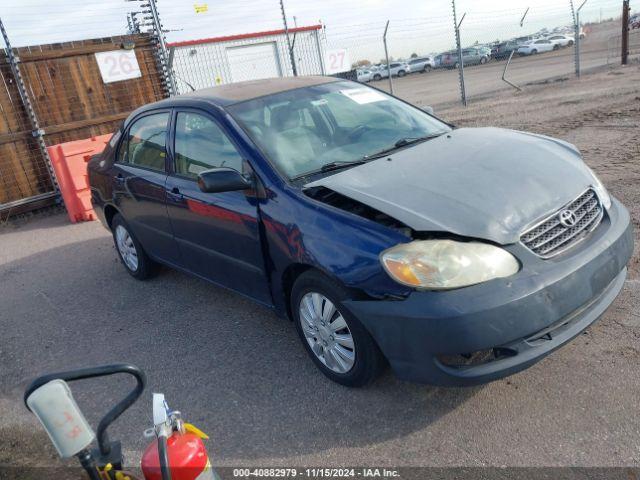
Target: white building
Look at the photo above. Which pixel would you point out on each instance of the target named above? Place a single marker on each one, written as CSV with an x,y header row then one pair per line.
x,y
212,61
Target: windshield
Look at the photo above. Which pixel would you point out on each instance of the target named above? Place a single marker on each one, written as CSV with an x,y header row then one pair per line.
x,y
304,129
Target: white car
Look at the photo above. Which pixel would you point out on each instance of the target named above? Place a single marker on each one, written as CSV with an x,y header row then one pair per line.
x,y
561,40
537,46
398,69
364,75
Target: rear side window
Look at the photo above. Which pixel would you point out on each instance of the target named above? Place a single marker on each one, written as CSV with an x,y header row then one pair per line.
x,y
145,142
201,144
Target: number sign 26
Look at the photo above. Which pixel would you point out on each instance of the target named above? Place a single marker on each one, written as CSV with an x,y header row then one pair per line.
x,y
118,65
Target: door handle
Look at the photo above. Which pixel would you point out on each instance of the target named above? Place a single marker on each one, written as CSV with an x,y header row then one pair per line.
x,y
175,195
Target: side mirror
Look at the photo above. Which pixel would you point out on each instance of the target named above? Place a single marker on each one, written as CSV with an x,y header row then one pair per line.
x,y
428,109
223,179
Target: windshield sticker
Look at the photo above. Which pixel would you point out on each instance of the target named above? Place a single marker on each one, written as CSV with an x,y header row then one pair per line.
x,y
317,103
363,95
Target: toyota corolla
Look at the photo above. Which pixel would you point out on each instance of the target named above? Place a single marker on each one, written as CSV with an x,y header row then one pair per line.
x,y
456,255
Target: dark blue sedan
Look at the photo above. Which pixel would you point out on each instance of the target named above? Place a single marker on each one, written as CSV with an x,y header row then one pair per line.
x,y
457,255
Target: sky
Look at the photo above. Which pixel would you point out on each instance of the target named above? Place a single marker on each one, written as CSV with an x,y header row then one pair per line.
x,y
420,26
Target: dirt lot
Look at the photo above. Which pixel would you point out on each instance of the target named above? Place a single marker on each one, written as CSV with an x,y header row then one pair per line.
x,y
441,86
241,374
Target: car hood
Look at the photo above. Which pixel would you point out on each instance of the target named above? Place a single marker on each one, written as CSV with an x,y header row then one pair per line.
x,y
486,183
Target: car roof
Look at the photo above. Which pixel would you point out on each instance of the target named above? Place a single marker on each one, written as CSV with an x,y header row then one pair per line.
x,y
250,89
224,95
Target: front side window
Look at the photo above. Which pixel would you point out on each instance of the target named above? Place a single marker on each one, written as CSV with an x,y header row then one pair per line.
x,y
145,146
200,145
304,129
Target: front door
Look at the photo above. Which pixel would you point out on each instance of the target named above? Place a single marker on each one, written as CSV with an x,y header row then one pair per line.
x,y
218,233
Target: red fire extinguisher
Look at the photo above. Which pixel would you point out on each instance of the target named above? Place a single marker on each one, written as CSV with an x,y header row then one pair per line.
x,y
177,451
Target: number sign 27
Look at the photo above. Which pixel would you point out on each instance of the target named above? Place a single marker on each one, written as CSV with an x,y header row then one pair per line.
x,y
118,65
337,61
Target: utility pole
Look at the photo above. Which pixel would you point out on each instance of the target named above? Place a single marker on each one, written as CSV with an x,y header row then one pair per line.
x,y
625,31
163,53
289,46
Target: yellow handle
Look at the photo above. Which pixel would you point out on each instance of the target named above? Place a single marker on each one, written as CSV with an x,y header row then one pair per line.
x,y
196,431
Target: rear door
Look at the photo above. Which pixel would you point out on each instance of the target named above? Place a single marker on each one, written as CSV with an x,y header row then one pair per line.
x,y
218,233
139,176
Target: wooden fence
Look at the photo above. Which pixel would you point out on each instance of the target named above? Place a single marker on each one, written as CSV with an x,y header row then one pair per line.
x,y
70,101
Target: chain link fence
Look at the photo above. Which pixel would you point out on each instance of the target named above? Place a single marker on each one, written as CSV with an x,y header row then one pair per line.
x,y
440,53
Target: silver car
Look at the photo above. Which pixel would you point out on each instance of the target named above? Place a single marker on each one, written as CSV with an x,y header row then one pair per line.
x,y
422,64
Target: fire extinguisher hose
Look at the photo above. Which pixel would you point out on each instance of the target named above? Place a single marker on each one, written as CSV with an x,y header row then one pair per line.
x,y
164,458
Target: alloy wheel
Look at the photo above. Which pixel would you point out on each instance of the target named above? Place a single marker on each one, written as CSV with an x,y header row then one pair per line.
x,y
127,248
327,332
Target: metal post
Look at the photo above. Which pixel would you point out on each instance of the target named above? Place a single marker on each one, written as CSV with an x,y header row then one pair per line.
x,y
320,56
625,32
162,48
289,46
576,40
37,132
456,26
506,67
386,54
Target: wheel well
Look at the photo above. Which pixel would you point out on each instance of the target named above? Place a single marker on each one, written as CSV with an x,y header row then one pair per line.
x,y
109,213
292,273
288,279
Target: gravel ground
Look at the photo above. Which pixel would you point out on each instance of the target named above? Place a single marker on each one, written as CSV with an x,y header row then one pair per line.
x,y
241,374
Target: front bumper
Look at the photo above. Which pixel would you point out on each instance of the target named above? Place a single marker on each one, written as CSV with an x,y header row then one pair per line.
x,y
523,318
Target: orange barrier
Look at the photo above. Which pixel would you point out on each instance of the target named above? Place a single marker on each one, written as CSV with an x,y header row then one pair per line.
x,y
69,161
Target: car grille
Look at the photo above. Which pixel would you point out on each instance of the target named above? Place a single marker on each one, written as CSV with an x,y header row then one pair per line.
x,y
551,236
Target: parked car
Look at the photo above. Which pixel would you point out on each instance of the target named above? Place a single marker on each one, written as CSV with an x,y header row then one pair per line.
x,y
470,56
449,59
397,69
634,21
524,40
364,75
537,46
503,50
476,56
457,255
485,51
561,40
421,64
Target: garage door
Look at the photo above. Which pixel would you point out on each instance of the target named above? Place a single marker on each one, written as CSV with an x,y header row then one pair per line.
x,y
251,62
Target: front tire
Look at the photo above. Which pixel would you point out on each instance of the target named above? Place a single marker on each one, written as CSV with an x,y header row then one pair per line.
x,y
335,340
427,68
131,253
377,77
401,73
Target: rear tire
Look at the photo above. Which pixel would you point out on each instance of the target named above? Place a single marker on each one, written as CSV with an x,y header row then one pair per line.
x,y
130,251
483,60
427,68
353,360
401,73
377,77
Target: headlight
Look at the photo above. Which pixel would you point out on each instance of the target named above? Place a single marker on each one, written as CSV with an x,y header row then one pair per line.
x,y
604,196
444,264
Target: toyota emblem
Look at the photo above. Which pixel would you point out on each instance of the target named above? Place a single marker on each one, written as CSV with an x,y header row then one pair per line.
x,y
567,218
